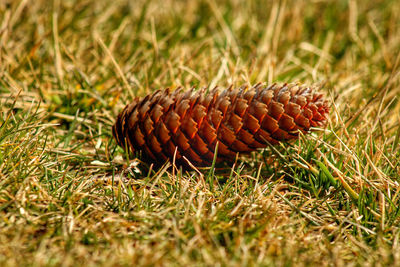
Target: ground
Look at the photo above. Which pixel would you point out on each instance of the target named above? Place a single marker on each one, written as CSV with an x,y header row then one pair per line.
x,y
70,196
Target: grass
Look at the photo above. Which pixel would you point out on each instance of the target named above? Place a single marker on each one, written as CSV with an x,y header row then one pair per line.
x,y
69,196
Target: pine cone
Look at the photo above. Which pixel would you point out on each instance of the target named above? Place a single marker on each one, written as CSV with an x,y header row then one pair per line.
x,y
189,124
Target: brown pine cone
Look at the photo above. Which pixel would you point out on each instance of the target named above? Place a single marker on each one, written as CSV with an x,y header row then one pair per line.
x,y
189,124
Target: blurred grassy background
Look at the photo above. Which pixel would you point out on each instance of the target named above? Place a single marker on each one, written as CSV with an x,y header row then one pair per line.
x,y
67,196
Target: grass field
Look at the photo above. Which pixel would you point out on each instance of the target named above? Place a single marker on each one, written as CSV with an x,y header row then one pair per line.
x,y
70,196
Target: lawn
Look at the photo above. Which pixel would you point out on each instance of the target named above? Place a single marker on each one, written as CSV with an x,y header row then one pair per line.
x,y
69,196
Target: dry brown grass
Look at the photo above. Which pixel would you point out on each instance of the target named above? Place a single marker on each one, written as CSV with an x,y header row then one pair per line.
x,y
69,196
